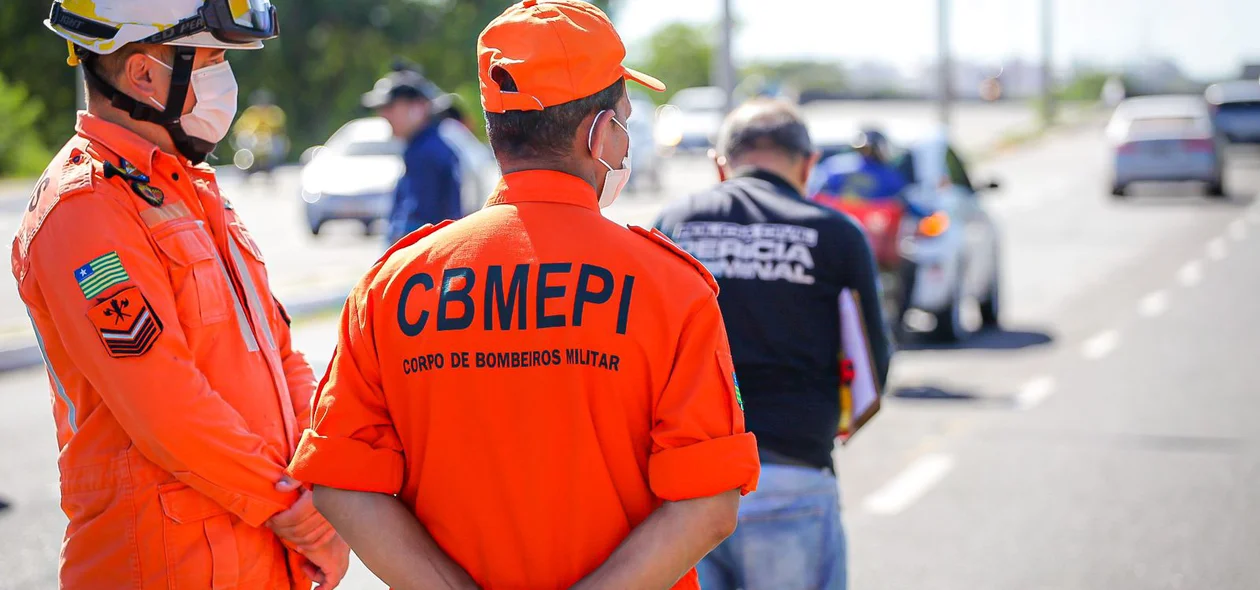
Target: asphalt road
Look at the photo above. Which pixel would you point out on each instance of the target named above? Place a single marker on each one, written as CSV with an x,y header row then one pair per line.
x,y
1104,439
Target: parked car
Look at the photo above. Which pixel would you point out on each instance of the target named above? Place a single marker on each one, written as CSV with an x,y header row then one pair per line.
x,y
645,160
1235,107
692,118
956,250
353,175
1165,138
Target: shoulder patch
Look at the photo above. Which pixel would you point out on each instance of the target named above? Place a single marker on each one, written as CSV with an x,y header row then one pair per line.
x,y
126,324
413,237
61,180
660,239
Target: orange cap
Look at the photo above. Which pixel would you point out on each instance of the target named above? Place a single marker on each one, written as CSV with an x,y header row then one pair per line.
x,y
556,51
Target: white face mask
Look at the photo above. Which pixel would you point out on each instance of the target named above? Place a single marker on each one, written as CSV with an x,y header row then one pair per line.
x,y
615,180
216,90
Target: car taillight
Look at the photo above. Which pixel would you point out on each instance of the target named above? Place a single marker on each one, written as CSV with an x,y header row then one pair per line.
x,y
1198,145
934,225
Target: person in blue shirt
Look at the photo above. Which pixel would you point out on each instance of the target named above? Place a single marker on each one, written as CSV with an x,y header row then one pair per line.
x,y
429,190
865,173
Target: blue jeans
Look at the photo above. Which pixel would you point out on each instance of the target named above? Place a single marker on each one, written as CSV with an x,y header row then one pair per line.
x,y
789,536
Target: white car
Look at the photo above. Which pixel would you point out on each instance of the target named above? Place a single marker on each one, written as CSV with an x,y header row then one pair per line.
x,y
957,254
645,160
956,251
691,119
354,174
1168,138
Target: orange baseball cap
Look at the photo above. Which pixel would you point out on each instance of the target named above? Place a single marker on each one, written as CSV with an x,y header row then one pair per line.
x,y
556,51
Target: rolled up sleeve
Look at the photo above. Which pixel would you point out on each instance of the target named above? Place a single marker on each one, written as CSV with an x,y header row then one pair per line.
x,y
352,443
700,447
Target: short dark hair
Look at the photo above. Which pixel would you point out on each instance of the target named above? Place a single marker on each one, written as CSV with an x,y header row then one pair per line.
x,y
764,124
545,134
110,66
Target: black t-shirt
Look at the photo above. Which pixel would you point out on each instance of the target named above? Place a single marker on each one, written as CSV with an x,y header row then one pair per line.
x,y
781,262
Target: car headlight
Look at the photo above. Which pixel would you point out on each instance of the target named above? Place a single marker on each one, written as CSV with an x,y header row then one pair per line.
x,y
311,197
669,127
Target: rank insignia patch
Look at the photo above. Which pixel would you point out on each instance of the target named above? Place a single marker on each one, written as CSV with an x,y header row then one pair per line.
x,y
126,324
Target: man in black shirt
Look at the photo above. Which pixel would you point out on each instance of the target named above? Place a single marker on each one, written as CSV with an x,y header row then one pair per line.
x,y
781,262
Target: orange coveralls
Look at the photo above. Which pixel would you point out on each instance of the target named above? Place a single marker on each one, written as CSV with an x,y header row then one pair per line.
x,y
532,381
177,394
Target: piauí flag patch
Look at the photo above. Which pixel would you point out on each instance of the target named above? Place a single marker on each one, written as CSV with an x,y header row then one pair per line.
x,y
738,399
100,274
126,324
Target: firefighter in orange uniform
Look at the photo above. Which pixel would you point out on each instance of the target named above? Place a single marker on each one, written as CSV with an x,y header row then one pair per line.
x,y
177,393
534,396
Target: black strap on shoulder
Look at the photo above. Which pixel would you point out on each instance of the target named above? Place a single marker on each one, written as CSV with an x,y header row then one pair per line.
x,y
181,77
193,148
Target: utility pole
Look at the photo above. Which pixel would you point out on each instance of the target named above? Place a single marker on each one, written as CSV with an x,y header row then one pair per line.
x,y
944,65
1048,106
724,61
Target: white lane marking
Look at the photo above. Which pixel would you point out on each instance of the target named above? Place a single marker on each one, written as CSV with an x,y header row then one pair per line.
x,y
1153,304
1100,345
1190,274
1238,230
1034,392
1217,249
909,485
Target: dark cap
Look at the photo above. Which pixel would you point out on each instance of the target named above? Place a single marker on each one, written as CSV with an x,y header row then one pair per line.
x,y
400,84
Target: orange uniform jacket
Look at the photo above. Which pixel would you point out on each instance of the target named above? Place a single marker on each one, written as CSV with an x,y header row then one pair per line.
x,y
177,394
532,381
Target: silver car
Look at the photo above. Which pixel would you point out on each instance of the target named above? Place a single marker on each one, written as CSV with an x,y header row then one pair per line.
x,y
1165,139
354,174
1235,109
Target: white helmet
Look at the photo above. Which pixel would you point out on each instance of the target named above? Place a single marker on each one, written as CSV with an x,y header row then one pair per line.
x,y
104,26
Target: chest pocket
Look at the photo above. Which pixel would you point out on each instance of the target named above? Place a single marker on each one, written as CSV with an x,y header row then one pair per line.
x,y
198,277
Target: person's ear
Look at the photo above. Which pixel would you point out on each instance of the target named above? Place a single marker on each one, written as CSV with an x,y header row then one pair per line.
x,y
598,132
145,77
719,162
811,162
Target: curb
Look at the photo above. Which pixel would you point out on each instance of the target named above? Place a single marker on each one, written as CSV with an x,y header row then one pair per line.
x,y
25,353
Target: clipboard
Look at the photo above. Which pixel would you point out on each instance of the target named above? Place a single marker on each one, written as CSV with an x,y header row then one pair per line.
x,y
859,391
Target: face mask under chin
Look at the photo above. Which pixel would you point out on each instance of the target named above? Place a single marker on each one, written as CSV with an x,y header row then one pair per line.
x,y
615,180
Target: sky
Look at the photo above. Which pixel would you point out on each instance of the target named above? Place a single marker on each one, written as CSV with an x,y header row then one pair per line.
x,y
1207,38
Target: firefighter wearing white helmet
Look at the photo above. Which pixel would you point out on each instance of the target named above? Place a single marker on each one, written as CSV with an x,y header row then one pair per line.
x,y
176,391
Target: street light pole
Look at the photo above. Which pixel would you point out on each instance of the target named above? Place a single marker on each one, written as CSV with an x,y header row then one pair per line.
x,y
944,65
725,61
1047,63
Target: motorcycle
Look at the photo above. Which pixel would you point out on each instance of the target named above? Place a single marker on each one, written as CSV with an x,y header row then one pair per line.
x,y
888,226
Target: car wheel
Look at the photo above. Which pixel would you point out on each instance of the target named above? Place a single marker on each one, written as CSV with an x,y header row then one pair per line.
x,y
1117,190
991,305
990,308
315,226
949,321
370,228
1216,188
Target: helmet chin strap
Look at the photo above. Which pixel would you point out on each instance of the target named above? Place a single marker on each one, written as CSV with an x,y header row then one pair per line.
x,y
195,149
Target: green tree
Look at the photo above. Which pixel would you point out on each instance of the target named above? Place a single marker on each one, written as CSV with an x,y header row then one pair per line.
x,y
681,55
22,153
329,52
